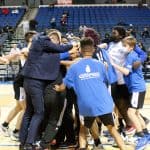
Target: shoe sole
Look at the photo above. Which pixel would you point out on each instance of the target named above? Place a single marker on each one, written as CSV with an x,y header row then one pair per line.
x,y
71,146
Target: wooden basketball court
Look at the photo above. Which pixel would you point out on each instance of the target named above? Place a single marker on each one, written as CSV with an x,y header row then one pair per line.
x,y
7,102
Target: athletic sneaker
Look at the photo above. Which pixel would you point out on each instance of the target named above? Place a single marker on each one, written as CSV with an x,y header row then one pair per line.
x,y
5,131
141,143
90,140
148,137
130,130
99,147
67,145
14,136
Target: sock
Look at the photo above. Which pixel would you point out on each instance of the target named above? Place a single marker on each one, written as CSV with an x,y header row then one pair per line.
x,y
145,131
139,134
5,124
16,131
97,142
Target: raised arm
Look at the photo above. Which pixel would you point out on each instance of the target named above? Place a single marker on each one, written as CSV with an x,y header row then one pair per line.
x,y
51,47
141,54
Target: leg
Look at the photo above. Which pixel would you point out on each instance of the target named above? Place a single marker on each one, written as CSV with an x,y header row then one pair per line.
x,y
108,121
34,110
135,120
143,125
117,137
82,137
12,114
19,119
55,107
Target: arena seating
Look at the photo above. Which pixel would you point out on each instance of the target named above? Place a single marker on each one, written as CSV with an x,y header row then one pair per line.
x,y
97,16
11,19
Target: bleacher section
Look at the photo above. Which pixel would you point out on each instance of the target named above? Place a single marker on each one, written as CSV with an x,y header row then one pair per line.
x,y
97,16
11,19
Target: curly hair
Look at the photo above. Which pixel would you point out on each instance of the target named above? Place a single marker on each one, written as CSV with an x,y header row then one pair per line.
x,y
90,32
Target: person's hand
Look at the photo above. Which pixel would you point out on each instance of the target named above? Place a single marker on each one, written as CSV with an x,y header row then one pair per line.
x,y
103,45
4,60
57,88
25,51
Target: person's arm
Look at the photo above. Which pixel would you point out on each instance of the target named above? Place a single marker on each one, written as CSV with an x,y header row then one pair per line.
x,y
123,70
13,56
4,60
51,47
127,68
64,56
67,62
67,81
141,54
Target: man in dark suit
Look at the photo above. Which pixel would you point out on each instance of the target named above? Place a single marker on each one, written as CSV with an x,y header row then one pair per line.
x,y
41,68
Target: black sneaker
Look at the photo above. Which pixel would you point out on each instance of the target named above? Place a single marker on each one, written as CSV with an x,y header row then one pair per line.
x,y
21,147
67,145
28,147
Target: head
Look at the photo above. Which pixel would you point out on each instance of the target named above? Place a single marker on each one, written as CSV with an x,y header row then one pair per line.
x,y
129,43
29,35
54,35
64,40
87,46
90,32
118,33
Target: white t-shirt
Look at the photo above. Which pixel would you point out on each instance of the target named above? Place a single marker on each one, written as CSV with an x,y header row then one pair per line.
x,y
118,54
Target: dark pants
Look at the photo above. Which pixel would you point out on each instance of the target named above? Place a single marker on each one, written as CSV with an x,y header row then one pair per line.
x,y
120,96
34,110
55,105
67,128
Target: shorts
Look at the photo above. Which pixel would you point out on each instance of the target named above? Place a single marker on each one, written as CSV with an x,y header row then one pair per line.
x,y
120,92
18,88
106,119
137,99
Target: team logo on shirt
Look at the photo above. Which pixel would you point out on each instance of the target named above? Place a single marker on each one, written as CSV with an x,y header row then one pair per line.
x,y
89,74
88,69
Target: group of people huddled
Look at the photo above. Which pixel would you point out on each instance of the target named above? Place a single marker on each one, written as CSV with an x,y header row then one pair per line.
x,y
66,90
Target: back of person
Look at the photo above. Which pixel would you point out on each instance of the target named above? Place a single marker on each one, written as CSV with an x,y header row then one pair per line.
x,y
92,93
40,56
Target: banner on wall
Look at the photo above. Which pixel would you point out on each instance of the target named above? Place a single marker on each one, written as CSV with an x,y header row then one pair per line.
x,y
64,2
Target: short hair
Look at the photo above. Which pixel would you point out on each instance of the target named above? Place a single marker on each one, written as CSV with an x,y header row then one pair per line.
x,y
90,32
29,35
130,40
54,31
121,30
86,44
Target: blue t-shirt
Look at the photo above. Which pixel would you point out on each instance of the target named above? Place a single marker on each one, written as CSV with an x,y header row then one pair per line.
x,y
88,77
101,55
135,80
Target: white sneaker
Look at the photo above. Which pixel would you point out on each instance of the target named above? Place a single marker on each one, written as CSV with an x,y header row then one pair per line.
x,y
14,136
5,131
90,140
